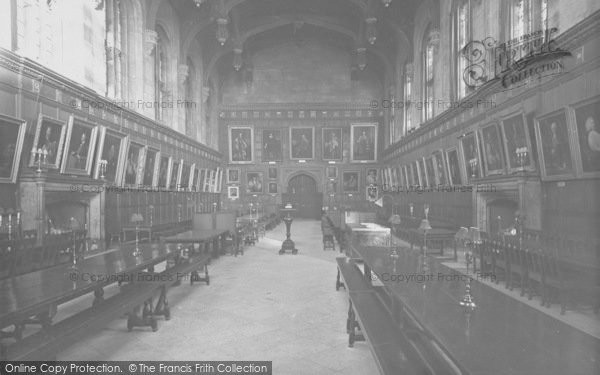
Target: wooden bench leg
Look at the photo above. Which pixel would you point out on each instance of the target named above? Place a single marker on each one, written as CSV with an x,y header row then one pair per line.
x,y
137,318
16,333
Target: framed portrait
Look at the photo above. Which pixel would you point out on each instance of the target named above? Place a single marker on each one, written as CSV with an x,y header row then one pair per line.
x,y
302,145
272,187
371,193
371,176
332,186
331,172
233,175
150,166
185,176
12,136
401,181
586,120
201,179
332,143
193,178
272,147
422,172
363,146
272,173
241,141
175,174
233,192
439,165
390,175
80,142
112,147
554,146
383,173
429,171
254,182
516,136
493,159
49,138
394,176
416,173
134,164
350,181
471,158
210,180
219,182
453,163
164,169
405,172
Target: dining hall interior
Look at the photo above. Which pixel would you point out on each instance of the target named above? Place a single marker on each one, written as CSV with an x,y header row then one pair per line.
x,y
327,186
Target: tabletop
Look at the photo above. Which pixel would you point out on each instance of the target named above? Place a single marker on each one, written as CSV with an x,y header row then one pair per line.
x,y
197,235
31,291
501,336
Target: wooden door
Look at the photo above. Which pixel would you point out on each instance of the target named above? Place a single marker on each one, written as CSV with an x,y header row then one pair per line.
x,y
303,194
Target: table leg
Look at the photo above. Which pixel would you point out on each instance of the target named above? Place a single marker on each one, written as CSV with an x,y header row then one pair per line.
x,y
162,305
139,318
339,283
98,296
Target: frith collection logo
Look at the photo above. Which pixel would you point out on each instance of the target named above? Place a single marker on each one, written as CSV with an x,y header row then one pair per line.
x,y
515,62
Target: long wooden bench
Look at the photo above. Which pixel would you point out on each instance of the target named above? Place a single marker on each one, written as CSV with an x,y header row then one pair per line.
x,y
396,351
46,343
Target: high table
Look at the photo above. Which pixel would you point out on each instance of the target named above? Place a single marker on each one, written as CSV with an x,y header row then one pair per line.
x,y
500,336
440,235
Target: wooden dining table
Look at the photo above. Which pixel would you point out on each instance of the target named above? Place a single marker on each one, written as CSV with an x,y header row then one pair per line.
x,y
501,336
38,293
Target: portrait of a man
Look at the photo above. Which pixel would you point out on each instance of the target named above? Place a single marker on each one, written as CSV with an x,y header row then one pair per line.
x,y
272,188
111,149
516,137
271,145
241,140
471,155
185,176
492,150
254,181
555,148
350,182
163,171
12,133
430,172
174,175
272,173
588,130
371,176
301,143
453,167
332,143
149,167
440,169
233,176
364,142
79,147
132,163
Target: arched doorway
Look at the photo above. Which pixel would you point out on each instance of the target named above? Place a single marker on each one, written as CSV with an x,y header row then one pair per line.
x,y
303,194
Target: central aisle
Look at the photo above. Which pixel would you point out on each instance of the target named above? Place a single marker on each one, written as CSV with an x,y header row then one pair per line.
x,y
260,306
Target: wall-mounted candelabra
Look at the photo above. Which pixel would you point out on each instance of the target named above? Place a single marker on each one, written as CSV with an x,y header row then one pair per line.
x,y
40,156
473,163
12,225
102,164
522,156
425,227
394,221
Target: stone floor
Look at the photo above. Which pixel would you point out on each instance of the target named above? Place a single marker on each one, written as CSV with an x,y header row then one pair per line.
x,y
260,306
